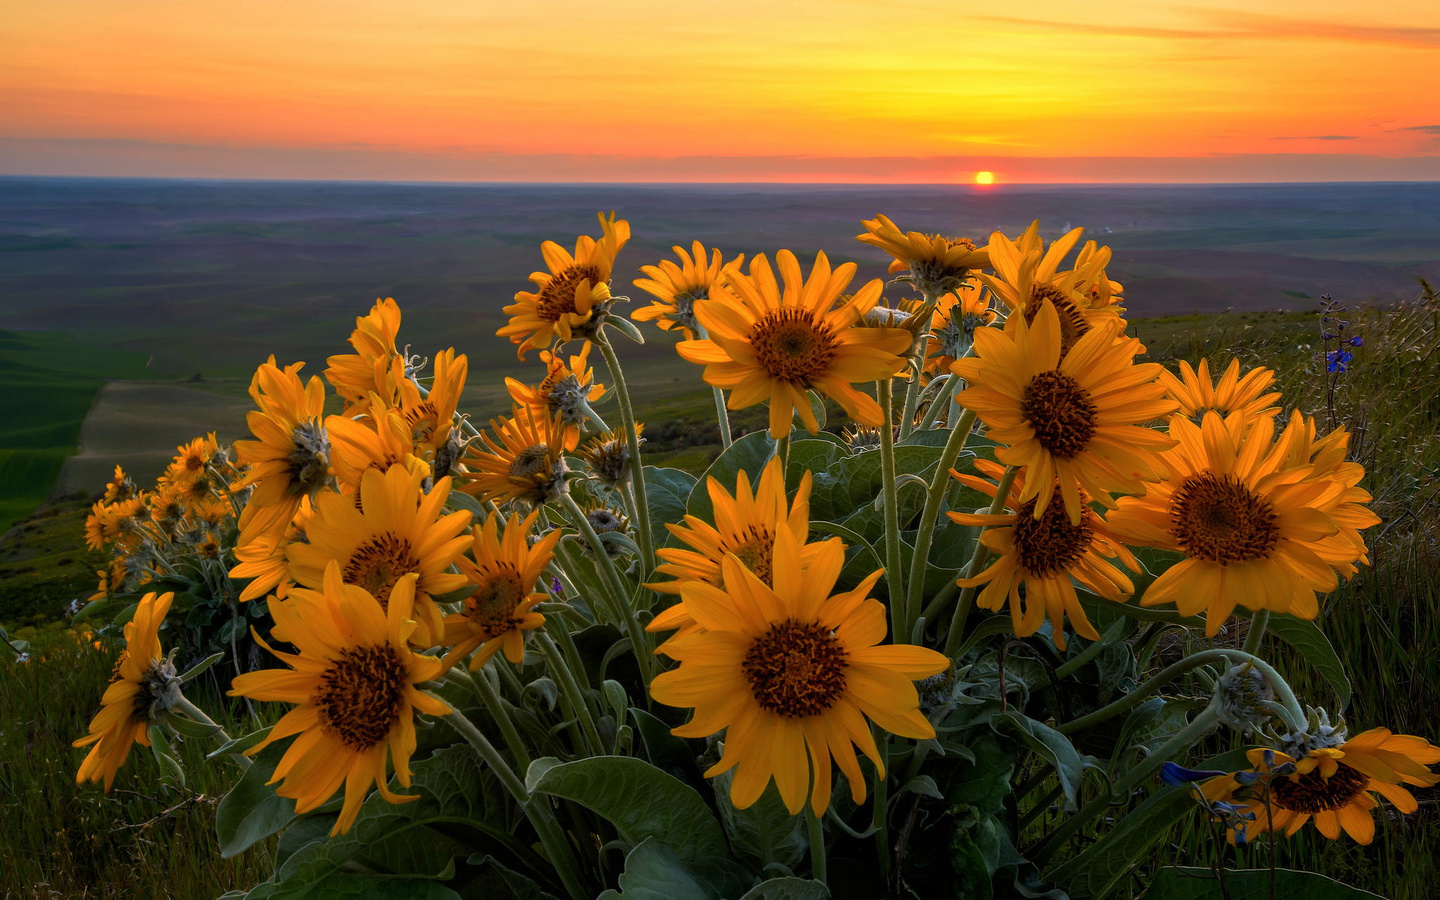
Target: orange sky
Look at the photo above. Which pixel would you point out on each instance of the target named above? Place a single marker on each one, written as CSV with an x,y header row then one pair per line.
x,y
641,90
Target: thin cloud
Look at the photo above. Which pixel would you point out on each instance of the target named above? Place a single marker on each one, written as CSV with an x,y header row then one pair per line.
x,y
1319,137
1234,25
1424,129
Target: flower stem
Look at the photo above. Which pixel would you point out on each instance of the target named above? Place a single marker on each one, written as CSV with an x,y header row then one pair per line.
x,y
899,627
536,809
880,820
941,402
928,518
480,682
639,643
978,558
571,689
632,441
1258,623
194,712
816,835
722,415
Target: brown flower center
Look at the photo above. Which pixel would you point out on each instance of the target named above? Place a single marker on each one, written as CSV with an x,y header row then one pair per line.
x,y
1073,324
1215,517
1050,545
1313,792
361,695
796,669
424,421
755,548
531,461
379,563
557,297
492,604
793,346
1060,411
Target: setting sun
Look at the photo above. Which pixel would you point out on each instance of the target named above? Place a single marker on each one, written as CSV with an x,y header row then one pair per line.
x,y
984,177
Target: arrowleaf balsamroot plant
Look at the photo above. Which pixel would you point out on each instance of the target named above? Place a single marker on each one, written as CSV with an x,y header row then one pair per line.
x,y
891,652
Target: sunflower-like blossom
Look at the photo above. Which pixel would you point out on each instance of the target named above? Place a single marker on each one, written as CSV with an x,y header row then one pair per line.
x,y
769,341
370,369
746,526
567,390
431,415
1076,419
143,686
523,460
791,673
355,687
291,457
1297,446
1249,395
377,441
192,459
677,288
934,263
501,604
1039,560
400,531
1250,524
952,330
568,299
263,560
1330,784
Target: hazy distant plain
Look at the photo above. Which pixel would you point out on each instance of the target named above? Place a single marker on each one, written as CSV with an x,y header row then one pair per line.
x,y
211,277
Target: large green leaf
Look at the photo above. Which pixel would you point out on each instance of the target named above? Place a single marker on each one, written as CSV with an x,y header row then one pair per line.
x,y
640,800
815,455
1053,746
654,871
369,887
765,832
788,888
749,454
408,839
1191,883
667,491
251,811
855,481
1315,648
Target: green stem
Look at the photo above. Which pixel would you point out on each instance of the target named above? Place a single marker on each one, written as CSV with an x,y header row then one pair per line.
x,y
639,641
978,558
1180,667
1119,792
816,834
537,809
899,626
490,696
1076,662
722,415
579,708
637,469
1258,623
941,401
929,516
880,820
782,453
194,712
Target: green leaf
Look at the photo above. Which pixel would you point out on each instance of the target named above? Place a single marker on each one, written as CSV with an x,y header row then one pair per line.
x,y
749,454
1050,744
407,839
654,871
374,887
1315,648
765,832
640,800
503,883
664,750
855,481
788,888
1104,865
667,491
813,455
1193,883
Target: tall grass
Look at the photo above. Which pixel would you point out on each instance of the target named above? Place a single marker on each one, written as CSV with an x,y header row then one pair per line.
x,y
58,839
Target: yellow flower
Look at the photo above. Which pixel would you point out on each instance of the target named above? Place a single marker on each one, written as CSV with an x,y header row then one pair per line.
x,y
291,459
1074,418
745,527
1041,556
1329,785
1196,393
501,605
566,391
191,459
936,264
792,673
122,488
431,416
142,678
567,297
1249,524
1091,279
354,683
772,342
678,287
108,522
524,462
952,329
377,441
355,376
263,559
1297,446
1026,277
399,532
608,456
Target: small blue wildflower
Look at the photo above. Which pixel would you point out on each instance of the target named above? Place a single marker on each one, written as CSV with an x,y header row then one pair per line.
x,y
1176,774
1338,361
1357,341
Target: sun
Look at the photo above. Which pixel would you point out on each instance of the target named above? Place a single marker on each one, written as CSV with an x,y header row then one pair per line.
x,y
984,177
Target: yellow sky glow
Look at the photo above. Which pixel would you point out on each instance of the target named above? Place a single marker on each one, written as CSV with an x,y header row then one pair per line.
x,y
567,90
